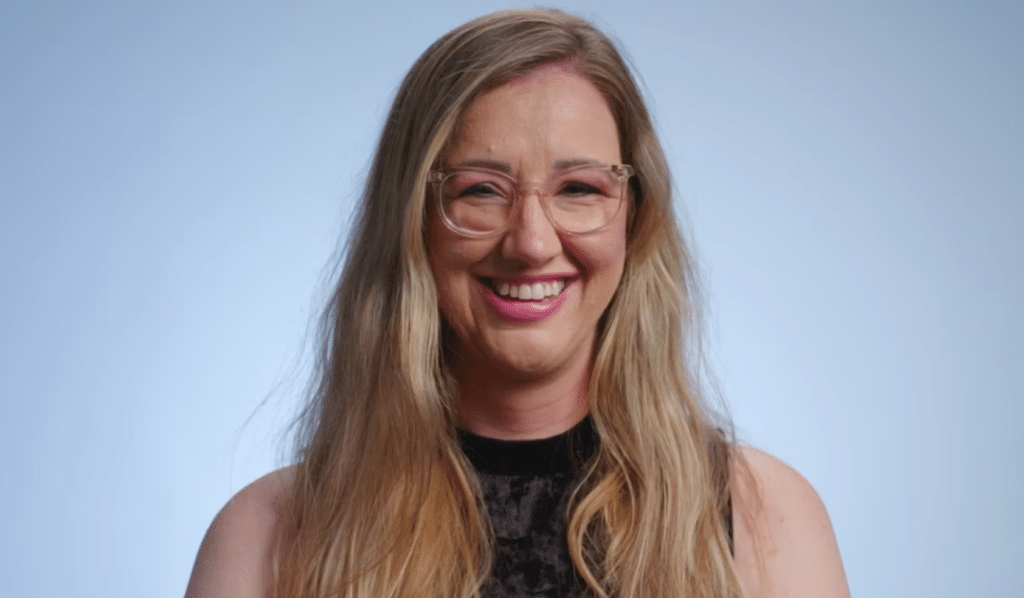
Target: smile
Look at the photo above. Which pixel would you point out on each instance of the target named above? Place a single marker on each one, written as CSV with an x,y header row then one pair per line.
x,y
524,302
527,292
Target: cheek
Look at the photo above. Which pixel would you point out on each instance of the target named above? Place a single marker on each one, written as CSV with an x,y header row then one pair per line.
x,y
610,256
605,254
451,263
615,259
450,302
441,251
603,259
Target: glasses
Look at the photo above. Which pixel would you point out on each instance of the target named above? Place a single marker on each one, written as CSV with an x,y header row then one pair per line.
x,y
477,202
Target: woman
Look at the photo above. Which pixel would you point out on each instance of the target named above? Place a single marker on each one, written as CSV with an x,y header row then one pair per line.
x,y
504,405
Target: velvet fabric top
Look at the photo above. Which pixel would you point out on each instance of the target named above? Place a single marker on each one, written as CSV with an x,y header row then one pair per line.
x,y
527,485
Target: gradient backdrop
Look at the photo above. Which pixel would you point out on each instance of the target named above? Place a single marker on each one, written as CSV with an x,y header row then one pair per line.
x,y
174,178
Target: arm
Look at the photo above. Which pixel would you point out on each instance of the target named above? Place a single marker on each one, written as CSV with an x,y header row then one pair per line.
x,y
234,559
785,546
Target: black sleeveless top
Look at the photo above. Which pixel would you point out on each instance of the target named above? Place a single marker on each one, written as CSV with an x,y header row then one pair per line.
x,y
527,485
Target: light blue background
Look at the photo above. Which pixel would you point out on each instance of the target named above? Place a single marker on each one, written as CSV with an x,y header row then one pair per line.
x,y
174,177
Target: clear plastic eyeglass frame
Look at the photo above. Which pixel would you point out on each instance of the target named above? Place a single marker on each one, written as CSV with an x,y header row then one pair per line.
x,y
488,200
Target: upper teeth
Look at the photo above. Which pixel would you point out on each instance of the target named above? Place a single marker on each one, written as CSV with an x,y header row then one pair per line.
x,y
537,290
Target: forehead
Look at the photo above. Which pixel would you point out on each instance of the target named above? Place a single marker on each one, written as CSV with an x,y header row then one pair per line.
x,y
547,115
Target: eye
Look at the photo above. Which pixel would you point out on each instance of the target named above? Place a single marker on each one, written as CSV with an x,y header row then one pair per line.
x,y
481,190
475,187
578,188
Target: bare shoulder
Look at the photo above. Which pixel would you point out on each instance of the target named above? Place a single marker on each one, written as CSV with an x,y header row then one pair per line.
x,y
784,542
235,557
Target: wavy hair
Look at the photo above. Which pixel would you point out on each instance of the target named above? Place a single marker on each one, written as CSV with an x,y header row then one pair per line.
x,y
384,503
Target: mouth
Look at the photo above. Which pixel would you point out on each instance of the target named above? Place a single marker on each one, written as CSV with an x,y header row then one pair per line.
x,y
528,291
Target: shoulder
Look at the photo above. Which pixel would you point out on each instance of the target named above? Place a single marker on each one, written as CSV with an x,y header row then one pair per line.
x,y
784,541
235,557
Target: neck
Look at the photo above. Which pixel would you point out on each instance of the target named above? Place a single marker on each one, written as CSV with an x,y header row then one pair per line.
x,y
513,408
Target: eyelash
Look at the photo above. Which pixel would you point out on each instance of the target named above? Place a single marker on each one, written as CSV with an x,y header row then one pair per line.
x,y
574,188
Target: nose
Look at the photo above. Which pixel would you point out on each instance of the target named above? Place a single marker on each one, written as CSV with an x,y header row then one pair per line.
x,y
531,237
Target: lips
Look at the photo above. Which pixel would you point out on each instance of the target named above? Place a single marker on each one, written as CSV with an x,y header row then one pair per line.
x,y
525,300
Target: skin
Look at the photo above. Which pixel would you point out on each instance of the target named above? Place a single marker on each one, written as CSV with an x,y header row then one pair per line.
x,y
529,380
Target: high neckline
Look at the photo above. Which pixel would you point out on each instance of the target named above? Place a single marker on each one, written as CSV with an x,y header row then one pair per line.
x,y
564,453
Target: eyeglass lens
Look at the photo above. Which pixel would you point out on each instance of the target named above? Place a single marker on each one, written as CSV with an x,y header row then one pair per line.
x,y
580,200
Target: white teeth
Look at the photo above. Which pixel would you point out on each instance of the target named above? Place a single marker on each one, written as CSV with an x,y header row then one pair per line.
x,y
528,292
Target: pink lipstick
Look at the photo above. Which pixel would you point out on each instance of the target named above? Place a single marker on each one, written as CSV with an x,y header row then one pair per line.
x,y
520,311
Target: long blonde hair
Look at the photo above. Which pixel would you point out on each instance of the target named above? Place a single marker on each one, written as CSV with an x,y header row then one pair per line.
x,y
384,503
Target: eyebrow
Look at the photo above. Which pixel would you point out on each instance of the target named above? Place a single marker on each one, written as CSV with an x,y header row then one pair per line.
x,y
574,162
507,168
489,164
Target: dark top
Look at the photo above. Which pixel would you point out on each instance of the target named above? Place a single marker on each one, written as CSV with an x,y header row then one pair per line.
x,y
527,485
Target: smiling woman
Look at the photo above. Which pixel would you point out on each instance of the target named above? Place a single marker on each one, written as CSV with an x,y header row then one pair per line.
x,y
507,399
522,352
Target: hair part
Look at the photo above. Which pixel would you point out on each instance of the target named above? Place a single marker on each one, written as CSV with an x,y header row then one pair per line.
x,y
385,504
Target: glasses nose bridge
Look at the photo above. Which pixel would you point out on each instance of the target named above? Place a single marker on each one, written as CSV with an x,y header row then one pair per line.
x,y
523,190
525,187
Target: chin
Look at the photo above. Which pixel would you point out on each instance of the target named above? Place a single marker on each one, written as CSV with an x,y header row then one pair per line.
x,y
532,357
